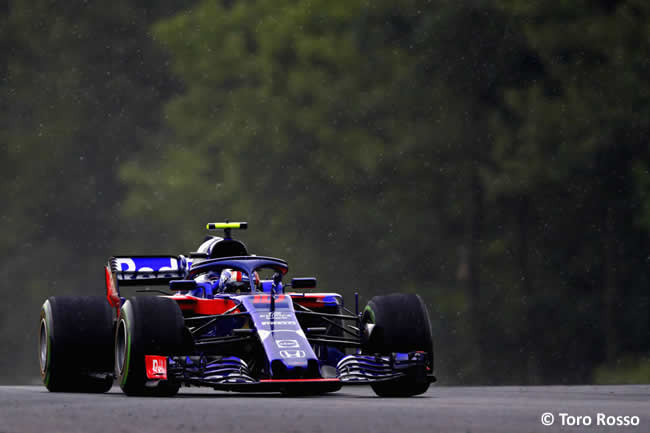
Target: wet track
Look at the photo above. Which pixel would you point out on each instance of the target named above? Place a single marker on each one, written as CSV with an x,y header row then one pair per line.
x,y
493,409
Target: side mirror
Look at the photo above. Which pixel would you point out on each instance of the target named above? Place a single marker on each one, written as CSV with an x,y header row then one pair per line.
x,y
303,283
182,285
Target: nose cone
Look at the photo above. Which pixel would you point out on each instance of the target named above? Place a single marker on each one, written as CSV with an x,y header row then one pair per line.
x,y
304,369
286,347
290,354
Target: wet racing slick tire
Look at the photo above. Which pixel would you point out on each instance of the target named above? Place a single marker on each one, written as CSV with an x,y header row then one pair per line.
x,y
398,323
147,326
76,344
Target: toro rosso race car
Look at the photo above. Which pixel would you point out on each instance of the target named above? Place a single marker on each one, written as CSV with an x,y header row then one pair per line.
x,y
227,320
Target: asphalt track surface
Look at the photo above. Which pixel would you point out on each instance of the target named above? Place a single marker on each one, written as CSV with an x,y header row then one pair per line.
x,y
353,409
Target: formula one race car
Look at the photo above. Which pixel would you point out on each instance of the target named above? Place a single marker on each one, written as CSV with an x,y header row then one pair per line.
x,y
229,322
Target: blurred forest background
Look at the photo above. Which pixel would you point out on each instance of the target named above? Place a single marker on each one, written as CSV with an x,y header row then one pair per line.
x,y
492,156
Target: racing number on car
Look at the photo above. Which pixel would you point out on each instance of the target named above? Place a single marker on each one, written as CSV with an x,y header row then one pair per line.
x,y
266,299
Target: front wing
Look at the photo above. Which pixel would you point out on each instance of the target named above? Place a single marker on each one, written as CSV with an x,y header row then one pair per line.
x,y
232,373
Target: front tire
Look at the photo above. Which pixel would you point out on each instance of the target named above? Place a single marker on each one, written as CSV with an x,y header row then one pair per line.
x,y
398,323
147,326
76,344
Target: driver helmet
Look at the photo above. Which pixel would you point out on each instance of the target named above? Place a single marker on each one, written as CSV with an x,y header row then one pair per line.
x,y
232,281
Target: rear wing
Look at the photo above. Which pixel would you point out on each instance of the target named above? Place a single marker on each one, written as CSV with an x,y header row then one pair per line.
x,y
146,270
141,271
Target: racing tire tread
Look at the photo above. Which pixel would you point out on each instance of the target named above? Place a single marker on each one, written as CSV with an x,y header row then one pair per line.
x,y
401,324
78,334
153,326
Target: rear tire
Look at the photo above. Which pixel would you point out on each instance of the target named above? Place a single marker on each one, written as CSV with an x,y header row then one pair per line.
x,y
399,323
76,344
147,326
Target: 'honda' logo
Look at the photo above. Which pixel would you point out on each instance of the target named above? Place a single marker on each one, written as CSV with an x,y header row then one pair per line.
x,y
292,353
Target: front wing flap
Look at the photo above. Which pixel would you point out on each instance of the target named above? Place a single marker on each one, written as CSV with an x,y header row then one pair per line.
x,y
365,369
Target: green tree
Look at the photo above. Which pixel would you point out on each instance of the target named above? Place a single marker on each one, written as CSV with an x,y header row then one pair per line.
x,y
565,161
81,89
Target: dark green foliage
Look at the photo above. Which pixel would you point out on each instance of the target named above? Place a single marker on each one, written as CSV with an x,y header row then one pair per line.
x,y
81,89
